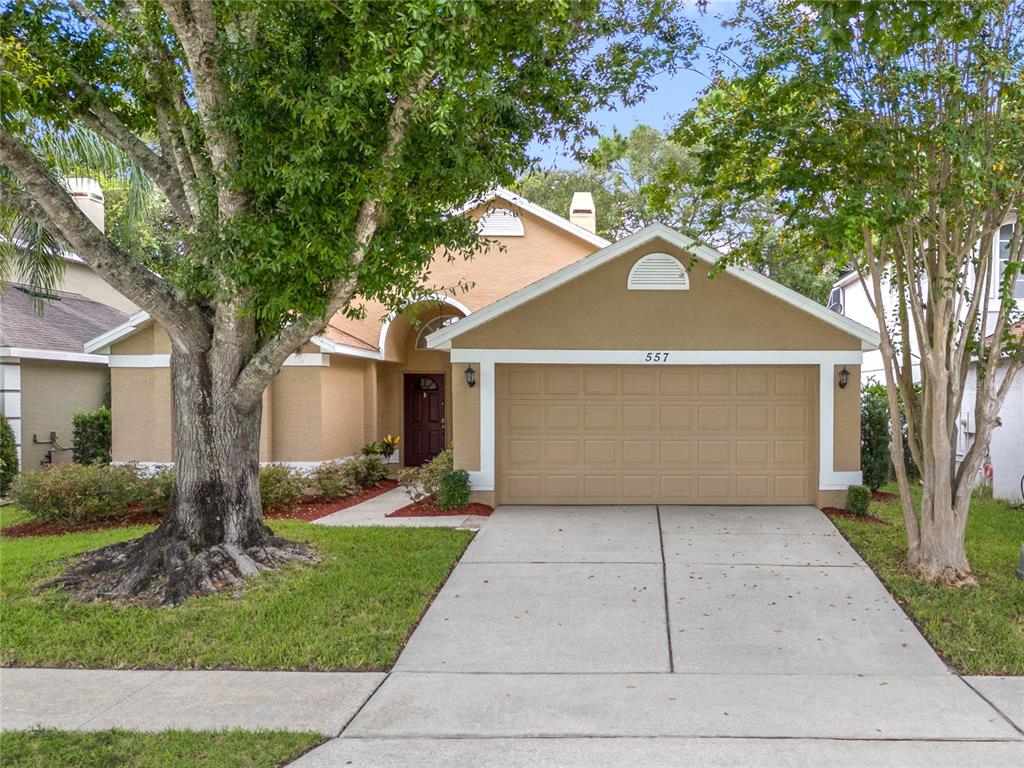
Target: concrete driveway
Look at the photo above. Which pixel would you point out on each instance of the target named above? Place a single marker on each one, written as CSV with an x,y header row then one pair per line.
x,y
665,636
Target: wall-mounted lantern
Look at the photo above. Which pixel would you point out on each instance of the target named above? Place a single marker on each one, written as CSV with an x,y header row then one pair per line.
x,y
470,376
844,378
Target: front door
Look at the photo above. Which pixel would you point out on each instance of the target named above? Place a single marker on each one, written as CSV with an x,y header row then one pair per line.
x,y
424,417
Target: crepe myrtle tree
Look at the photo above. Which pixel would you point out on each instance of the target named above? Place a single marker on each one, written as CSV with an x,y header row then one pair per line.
x,y
306,155
891,137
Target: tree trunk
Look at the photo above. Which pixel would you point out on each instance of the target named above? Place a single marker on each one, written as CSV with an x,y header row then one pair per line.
x,y
213,534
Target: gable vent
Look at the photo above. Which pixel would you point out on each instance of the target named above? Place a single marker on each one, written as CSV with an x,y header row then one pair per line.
x,y
658,272
500,222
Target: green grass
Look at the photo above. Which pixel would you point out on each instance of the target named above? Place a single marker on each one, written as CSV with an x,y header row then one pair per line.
x,y
352,611
169,749
978,630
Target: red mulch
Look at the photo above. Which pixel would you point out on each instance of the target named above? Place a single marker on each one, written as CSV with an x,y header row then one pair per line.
x,y
133,517
428,508
310,508
883,496
315,507
836,512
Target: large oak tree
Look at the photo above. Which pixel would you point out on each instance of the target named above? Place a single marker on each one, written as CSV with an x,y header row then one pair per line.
x,y
306,154
891,137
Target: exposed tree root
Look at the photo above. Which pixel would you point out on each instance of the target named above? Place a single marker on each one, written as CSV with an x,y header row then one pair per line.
x,y
160,569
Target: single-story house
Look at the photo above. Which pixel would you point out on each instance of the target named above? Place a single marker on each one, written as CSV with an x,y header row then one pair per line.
x,y
572,371
45,376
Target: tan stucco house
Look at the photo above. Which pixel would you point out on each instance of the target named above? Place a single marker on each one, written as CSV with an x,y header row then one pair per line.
x,y
572,371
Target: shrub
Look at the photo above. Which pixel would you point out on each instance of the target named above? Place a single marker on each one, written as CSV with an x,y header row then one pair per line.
x,y
158,489
78,493
281,487
875,461
383,447
90,436
333,479
453,490
423,482
857,499
8,455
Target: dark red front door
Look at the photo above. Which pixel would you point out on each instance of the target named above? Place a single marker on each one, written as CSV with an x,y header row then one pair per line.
x,y
424,417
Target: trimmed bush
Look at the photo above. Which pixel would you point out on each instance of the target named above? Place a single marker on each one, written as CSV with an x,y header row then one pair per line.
x,y
281,487
78,493
158,489
857,499
90,436
422,482
875,461
453,490
8,455
336,479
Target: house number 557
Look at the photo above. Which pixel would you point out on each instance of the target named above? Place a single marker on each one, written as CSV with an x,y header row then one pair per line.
x,y
656,357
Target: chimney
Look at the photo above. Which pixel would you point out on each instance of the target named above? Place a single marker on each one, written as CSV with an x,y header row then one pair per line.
x,y
89,196
582,212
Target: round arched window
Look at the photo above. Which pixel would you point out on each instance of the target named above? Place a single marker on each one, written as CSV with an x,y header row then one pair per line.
x,y
432,325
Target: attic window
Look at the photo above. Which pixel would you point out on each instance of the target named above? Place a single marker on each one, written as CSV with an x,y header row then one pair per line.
x,y
658,272
500,222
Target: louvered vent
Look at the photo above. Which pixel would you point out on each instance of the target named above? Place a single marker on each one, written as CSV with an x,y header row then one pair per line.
x,y
500,222
658,272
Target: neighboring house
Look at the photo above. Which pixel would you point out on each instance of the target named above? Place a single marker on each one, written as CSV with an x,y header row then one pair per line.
x,y
45,377
1006,448
45,374
573,371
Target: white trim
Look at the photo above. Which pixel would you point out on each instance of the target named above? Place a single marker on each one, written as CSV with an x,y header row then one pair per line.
x,y
11,400
675,357
151,466
340,348
139,361
10,376
102,342
541,213
441,339
52,355
828,478
307,360
441,297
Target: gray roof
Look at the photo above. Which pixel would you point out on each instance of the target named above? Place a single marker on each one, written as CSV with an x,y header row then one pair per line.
x,y
66,322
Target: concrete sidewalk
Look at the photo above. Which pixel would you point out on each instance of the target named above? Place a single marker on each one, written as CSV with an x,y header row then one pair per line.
x,y
142,700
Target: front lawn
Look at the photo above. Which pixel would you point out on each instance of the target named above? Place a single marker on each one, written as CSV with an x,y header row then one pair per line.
x,y
168,749
352,611
978,630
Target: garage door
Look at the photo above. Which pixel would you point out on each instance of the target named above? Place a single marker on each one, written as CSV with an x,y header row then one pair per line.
x,y
646,434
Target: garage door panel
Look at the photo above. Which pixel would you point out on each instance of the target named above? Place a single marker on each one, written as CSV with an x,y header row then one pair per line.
x,y
656,434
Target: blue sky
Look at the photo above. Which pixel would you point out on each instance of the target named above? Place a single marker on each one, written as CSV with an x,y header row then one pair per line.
x,y
673,94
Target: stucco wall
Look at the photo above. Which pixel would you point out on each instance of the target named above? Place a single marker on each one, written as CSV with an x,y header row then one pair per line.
x,y
846,421
465,419
341,392
505,267
51,394
296,416
141,414
596,311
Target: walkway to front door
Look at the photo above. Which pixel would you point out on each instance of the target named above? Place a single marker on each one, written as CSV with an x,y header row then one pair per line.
x,y
618,636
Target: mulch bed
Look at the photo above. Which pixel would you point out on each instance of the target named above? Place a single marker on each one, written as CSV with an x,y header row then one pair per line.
x,y
428,508
133,517
883,496
310,508
315,507
836,512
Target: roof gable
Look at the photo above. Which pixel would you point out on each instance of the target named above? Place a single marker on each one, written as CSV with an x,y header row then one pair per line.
x,y
441,339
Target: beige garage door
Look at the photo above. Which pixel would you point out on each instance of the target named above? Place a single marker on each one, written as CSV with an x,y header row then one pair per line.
x,y
652,434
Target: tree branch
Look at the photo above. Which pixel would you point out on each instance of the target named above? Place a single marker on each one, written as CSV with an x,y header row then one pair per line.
x,y
54,207
104,122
